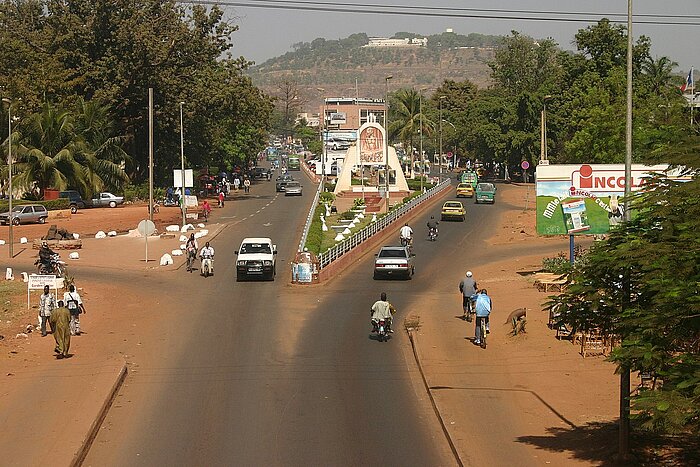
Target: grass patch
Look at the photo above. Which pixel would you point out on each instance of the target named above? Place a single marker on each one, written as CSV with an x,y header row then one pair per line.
x,y
13,304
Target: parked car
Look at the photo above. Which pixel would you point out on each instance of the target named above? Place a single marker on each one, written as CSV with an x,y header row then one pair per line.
x,y
256,258
76,201
453,210
394,261
465,189
293,188
282,181
485,193
107,199
25,213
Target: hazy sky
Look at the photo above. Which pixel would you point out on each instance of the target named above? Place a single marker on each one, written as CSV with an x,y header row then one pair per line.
x,y
268,32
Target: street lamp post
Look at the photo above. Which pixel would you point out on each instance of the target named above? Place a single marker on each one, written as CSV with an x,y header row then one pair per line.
x,y
182,165
9,163
386,139
420,130
441,98
543,135
324,141
454,154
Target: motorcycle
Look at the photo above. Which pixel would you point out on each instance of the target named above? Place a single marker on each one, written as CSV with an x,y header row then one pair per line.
x,y
432,234
207,266
381,327
407,242
55,266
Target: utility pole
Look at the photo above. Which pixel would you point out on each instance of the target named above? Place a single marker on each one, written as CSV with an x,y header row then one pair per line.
x,y
182,165
386,139
11,239
441,98
150,153
624,433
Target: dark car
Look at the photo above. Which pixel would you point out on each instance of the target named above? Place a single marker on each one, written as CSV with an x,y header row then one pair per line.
x,y
25,213
281,182
76,201
260,172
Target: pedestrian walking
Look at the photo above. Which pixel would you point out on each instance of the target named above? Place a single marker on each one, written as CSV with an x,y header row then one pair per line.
x,y
246,185
75,306
47,303
221,199
236,183
60,323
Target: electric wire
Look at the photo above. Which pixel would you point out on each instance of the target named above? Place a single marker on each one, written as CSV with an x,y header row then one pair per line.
x,y
446,12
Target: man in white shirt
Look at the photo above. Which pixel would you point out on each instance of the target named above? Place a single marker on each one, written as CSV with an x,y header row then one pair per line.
x,y
74,303
207,257
406,234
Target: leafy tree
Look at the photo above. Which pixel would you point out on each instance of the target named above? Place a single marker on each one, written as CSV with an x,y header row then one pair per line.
x,y
48,151
650,300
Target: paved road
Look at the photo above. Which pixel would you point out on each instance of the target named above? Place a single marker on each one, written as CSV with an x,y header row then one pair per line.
x,y
263,373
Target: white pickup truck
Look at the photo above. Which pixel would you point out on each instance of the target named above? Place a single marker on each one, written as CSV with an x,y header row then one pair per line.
x,y
256,258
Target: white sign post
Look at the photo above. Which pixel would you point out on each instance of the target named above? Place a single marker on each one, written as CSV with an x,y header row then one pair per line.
x,y
39,281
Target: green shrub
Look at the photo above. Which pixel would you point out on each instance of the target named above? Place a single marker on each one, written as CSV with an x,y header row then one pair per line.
x,y
314,238
135,193
347,215
560,264
414,184
51,205
326,197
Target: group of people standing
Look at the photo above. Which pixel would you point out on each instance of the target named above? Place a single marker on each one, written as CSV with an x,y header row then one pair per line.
x,y
63,317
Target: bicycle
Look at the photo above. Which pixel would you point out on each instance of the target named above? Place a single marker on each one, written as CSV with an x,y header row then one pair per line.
x,y
191,256
482,328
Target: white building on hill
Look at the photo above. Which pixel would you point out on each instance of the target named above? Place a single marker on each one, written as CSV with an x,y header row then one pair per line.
x,y
384,42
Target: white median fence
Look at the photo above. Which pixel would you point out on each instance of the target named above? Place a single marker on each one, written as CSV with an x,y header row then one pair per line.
x,y
349,243
310,218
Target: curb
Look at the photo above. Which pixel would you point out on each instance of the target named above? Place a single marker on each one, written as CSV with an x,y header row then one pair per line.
x,y
414,346
101,415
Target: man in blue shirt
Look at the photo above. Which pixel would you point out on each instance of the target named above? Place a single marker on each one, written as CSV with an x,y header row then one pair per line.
x,y
483,310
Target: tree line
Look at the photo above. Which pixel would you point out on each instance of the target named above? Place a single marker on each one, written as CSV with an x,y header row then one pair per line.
x,y
642,283
63,58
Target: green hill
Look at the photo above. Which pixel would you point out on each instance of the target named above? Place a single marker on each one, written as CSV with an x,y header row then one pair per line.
x,y
338,65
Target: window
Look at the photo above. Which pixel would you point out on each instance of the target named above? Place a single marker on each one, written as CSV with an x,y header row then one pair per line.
x,y
377,116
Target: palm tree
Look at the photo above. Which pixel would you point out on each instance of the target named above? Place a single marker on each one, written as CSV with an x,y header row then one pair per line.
x,y
102,155
47,151
405,118
659,72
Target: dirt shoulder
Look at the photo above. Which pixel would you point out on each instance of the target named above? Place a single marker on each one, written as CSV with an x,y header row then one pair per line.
x,y
526,400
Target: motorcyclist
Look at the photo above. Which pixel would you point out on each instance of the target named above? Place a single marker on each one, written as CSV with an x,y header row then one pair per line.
x,y
206,210
207,257
382,309
406,234
45,254
468,287
432,225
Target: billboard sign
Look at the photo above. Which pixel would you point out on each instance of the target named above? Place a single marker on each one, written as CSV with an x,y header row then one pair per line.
x,y
338,118
583,198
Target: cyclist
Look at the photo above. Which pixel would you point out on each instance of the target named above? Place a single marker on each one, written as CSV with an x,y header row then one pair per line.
x,y
483,310
206,210
191,247
406,234
468,288
207,257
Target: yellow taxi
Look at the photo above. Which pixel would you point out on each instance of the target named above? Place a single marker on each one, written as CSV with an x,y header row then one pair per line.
x,y
453,210
466,190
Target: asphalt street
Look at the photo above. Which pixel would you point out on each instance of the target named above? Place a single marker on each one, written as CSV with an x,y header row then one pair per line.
x,y
265,373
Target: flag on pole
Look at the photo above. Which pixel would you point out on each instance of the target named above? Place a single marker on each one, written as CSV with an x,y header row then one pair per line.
x,y
688,85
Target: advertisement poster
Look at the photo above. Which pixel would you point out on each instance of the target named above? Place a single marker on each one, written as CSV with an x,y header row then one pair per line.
x,y
586,199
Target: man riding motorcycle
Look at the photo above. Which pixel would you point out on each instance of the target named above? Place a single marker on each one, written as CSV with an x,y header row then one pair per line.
x,y
207,258
406,234
45,256
382,310
432,227
468,287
